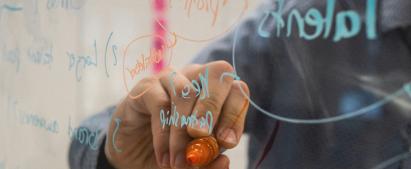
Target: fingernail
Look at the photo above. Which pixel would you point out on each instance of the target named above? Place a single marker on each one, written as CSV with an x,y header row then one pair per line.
x,y
166,161
180,161
201,130
228,136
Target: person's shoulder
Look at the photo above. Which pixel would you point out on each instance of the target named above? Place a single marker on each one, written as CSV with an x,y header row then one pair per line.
x,y
100,119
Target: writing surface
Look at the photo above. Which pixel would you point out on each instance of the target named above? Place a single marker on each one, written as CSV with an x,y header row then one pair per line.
x,y
61,61
65,60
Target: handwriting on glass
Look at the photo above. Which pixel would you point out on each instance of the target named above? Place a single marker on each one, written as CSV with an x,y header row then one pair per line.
x,y
11,7
65,4
347,23
194,84
78,63
207,6
172,118
40,122
144,60
113,140
154,56
41,56
32,119
11,56
84,135
191,120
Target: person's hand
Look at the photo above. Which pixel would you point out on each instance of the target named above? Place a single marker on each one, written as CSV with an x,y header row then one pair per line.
x,y
138,137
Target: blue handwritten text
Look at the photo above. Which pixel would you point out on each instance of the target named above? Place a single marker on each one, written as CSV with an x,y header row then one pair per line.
x,y
12,56
173,119
84,135
41,57
194,84
65,4
79,63
347,24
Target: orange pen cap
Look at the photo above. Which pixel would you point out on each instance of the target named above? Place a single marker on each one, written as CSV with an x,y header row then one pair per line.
x,y
202,151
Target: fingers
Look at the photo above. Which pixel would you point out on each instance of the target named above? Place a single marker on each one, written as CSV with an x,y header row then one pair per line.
x,y
231,125
222,162
182,101
154,104
157,103
166,98
191,71
140,125
213,94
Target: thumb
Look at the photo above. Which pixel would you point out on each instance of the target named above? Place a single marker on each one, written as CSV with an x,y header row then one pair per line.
x,y
231,125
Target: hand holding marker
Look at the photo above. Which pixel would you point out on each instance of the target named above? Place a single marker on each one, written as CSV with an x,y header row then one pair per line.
x,y
145,143
202,151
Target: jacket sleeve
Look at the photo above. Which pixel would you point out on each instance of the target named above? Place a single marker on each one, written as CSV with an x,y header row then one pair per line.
x,y
88,140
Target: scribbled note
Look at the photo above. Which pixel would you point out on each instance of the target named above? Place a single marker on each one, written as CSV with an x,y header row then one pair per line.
x,y
84,135
209,13
174,118
212,7
145,62
11,56
12,7
31,118
78,63
194,85
347,23
65,4
27,118
39,121
137,59
41,56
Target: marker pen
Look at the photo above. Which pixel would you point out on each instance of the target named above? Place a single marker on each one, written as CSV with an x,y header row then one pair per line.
x,y
202,151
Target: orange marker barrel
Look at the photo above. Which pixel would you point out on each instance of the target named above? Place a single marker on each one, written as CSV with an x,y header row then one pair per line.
x,y
202,151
